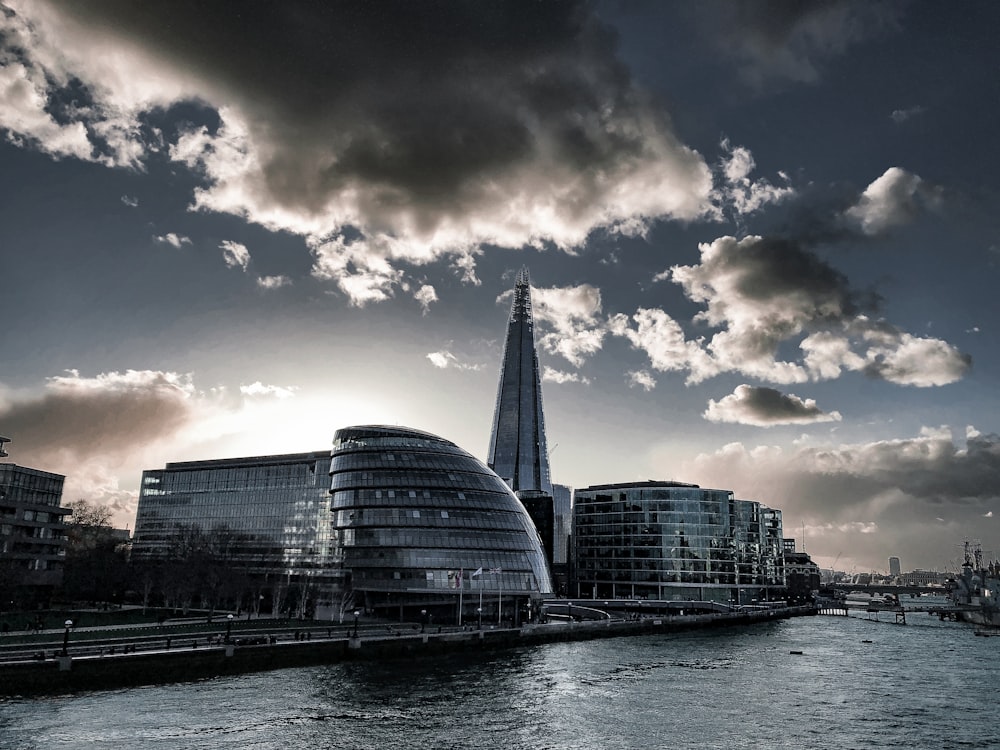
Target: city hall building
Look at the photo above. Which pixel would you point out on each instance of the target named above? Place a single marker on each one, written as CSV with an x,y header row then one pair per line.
x,y
675,541
426,529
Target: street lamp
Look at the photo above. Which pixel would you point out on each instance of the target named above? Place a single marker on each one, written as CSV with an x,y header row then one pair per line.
x,y
229,626
68,624
423,620
357,613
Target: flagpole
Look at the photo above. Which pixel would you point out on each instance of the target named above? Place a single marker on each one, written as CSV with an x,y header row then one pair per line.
x,y
500,600
461,590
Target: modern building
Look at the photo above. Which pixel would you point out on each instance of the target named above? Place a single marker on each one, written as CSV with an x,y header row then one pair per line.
x,y
675,541
32,535
260,523
518,450
894,569
424,529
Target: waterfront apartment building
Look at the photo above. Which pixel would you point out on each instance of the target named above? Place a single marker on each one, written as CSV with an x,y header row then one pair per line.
x,y
675,541
32,535
249,532
423,528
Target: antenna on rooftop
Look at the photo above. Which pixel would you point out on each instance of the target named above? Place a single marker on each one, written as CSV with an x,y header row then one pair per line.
x,y
3,453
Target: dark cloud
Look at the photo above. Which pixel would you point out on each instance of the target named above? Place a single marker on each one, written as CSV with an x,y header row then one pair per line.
x,y
765,407
915,497
790,40
78,419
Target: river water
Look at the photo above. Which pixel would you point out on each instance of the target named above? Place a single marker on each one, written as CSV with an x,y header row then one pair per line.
x,y
927,684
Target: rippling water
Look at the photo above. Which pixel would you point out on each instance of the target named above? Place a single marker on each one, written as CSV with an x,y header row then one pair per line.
x,y
927,684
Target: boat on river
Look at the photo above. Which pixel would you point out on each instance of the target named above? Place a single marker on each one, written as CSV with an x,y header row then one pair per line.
x,y
977,588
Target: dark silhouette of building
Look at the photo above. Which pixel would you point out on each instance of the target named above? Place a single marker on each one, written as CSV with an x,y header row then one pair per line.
x,y
32,535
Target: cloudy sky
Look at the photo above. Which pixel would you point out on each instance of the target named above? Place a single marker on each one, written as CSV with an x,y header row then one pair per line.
x,y
763,239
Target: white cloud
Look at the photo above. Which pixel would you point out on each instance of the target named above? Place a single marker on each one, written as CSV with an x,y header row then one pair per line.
x,y
574,315
235,254
766,407
130,200
174,240
258,390
444,359
23,99
273,282
478,156
893,199
641,378
551,375
908,360
900,116
425,295
739,192
663,341
766,293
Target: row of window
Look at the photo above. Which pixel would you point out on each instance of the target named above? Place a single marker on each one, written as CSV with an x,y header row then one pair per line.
x,y
484,520
433,539
405,479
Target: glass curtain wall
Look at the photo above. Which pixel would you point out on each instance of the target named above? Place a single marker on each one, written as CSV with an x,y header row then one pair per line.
x,y
422,526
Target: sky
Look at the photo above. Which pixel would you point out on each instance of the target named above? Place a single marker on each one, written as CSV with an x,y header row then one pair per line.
x,y
763,241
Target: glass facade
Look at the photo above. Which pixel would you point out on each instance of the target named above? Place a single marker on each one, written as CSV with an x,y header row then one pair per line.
x,y
673,541
32,533
518,450
415,520
268,517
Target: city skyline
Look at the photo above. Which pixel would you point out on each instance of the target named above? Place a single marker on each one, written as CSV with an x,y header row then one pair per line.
x,y
761,238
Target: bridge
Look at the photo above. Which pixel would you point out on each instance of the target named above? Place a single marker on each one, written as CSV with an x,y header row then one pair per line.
x,y
887,588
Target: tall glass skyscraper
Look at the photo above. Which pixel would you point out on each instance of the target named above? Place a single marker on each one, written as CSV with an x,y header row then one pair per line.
x,y
518,451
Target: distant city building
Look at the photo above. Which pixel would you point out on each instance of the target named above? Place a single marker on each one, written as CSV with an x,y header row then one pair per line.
x,y
32,535
922,578
266,517
788,545
518,450
423,526
669,540
894,568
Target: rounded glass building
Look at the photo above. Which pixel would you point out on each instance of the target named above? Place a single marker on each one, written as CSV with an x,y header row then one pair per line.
x,y
426,529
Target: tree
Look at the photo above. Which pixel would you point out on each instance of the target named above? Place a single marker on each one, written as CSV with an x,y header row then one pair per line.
x,y
96,566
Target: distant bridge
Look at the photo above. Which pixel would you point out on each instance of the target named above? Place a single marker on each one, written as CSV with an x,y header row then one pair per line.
x,y
886,588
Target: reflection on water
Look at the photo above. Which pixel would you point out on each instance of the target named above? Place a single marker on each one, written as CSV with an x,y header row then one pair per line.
x,y
921,685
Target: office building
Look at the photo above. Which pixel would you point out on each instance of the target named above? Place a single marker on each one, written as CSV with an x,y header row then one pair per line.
x,y
423,528
675,541
518,450
894,569
262,524
32,535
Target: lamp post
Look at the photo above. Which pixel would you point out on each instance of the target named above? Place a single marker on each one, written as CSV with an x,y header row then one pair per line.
x,y
479,613
229,626
423,620
68,624
357,613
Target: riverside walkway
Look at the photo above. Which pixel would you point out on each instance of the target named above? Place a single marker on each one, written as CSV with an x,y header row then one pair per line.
x,y
172,656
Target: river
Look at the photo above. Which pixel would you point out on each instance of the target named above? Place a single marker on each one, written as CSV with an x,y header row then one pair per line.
x,y
927,684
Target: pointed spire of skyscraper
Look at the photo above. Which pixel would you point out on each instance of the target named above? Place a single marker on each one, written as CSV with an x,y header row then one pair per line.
x,y
517,443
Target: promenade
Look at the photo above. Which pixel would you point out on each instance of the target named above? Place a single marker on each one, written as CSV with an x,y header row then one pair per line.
x,y
180,652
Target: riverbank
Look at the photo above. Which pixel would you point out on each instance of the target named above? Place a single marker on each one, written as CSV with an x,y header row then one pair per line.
x,y
182,662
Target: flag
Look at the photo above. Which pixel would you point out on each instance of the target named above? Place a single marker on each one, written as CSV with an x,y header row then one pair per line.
x,y
479,572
